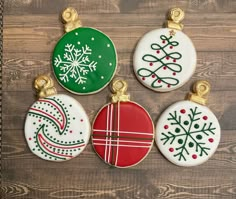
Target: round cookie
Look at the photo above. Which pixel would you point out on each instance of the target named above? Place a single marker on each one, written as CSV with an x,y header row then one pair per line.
x,y
84,60
187,133
164,59
123,134
57,128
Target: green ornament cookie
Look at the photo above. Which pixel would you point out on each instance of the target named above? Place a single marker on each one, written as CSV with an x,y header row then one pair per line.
x,y
84,60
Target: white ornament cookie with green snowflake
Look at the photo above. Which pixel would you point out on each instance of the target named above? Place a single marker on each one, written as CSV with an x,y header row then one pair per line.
x,y
84,59
187,133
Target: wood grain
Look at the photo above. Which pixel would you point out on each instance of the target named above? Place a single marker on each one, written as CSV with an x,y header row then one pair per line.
x,y
118,6
31,30
212,35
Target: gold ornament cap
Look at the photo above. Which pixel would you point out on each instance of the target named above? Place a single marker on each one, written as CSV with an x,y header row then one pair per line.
x,y
175,16
200,93
71,19
44,86
119,88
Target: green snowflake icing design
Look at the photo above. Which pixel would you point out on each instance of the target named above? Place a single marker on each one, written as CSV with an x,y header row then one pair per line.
x,y
166,58
188,134
75,64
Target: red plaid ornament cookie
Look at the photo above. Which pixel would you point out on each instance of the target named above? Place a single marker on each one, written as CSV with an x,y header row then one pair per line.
x,y
122,130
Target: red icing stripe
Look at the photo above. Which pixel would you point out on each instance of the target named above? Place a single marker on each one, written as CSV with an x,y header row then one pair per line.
x,y
63,116
37,110
61,147
40,137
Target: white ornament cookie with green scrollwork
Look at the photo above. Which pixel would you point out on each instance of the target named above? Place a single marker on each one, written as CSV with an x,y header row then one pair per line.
x,y
165,58
164,61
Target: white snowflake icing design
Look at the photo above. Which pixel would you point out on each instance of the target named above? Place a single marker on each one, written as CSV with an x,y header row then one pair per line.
x,y
75,64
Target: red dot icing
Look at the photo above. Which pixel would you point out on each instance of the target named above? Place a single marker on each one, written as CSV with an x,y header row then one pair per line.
x,y
151,64
174,60
159,81
81,120
158,51
205,117
171,149
211,140
164,67
171,47
163,41
39,120
166,127
183,111
153,76
167,58
174,74
168,85
30,138
71,131
194,156
143,78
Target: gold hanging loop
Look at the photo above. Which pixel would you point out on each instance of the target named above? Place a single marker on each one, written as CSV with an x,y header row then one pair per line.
x,y
71,19
44,86
200,93
175,16
119,88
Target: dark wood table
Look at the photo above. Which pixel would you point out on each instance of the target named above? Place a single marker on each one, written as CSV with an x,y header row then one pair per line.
x,y
30,31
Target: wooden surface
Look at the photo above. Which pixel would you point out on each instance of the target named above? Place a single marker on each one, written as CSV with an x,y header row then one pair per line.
x,y
31,30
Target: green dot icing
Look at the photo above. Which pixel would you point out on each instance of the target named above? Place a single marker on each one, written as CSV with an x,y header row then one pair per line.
x,y
177,130
199,137
180,141
84,60
186,122
190,144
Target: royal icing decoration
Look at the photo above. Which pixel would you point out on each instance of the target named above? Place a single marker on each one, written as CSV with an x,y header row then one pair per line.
x,y
188,133
165,59
122,131
84,59
57,128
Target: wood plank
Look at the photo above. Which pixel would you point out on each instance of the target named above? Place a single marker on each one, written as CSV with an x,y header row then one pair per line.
x,y
13,7
21,68
45,38
130,185
121,20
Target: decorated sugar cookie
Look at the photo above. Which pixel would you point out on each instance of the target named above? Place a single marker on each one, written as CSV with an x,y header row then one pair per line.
x,y
84,59
165,58
56,127
188,133
122,130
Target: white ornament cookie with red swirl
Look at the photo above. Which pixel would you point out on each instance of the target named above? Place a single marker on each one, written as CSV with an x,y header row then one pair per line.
x,y
57,128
